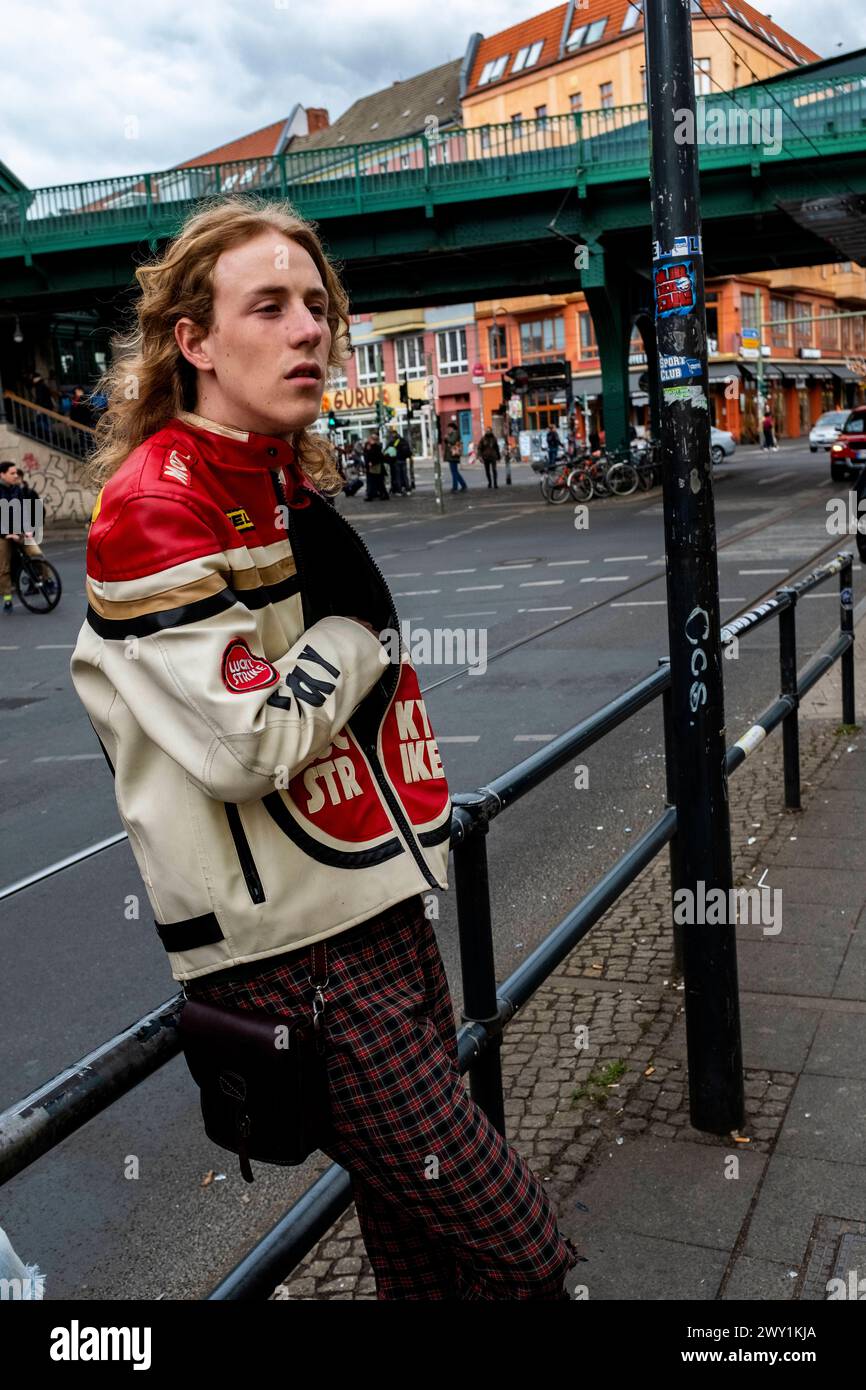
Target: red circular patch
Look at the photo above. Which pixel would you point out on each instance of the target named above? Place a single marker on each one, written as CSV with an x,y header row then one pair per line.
x,y
242,671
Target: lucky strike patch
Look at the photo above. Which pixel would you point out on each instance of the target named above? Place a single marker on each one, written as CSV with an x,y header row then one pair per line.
x,y
242,671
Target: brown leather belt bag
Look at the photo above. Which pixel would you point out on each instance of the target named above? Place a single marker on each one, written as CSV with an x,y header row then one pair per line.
x,y
262,1077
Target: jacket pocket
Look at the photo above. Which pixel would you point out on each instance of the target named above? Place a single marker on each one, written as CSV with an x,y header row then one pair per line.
x,y
245,854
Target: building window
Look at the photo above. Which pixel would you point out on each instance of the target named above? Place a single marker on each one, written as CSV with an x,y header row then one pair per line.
x,y
542,338
750,312
410,356
576,101
605,94
577,36
492,70
588,345
451,351
828,332
780,333
528,57
541,116
368,357
596,29
802,330
703,80
517,123
632,15
497,343
643,95
405,161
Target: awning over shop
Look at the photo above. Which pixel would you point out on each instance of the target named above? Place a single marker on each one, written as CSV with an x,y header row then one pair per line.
x,y
844,373
591,386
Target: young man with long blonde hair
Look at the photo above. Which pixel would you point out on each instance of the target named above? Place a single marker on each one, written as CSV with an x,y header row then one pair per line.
x,y
275,769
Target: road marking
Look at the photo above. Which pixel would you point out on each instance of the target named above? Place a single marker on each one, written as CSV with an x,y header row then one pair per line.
x,y
69,758
533,738
472,571
457,738
776,477
764,571
835,596
10,649
607,578
518,565
56,647
473,588
620,559
538,583
414,593
558,608
409,574
475,613
638,603
567,562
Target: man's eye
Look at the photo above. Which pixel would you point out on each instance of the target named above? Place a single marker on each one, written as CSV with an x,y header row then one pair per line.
x,y
319,309
266,307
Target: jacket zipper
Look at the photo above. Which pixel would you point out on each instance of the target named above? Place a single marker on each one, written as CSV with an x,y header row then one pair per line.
x,y
255,888
370,747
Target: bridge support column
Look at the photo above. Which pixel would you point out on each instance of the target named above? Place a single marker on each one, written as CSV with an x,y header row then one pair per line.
x,y
610,301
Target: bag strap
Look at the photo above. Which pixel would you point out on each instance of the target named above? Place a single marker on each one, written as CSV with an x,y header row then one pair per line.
x,y
318,977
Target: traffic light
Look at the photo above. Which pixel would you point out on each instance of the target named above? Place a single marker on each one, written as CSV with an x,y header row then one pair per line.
x,y
389,412
507,390
332,421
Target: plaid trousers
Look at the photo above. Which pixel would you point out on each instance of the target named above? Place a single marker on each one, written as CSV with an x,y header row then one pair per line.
x,y
447,1208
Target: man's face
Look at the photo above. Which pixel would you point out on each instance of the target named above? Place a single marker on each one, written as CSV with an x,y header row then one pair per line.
x,y
263,365
9,476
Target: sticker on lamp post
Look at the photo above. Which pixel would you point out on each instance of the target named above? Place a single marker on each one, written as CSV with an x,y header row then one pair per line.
x,y
674,287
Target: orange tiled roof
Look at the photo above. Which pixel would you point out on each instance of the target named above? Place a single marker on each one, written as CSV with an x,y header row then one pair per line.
x,y
257,145
548,27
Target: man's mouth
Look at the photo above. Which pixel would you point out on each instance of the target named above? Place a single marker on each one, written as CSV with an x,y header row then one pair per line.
x,y
305,371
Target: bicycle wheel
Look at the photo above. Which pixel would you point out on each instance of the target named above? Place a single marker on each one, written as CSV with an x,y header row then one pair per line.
x,y
645,477
39,587
580,485
621,478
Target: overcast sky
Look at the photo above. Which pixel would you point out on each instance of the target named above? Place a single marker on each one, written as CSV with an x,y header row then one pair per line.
x,y
93,87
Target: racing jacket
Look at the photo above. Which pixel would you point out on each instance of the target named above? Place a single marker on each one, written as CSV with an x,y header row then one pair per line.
x,y
274,764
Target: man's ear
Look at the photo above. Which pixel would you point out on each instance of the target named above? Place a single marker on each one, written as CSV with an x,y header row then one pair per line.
x,y
190,337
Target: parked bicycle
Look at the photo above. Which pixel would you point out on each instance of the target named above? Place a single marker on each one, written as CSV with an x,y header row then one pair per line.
x,y
603,475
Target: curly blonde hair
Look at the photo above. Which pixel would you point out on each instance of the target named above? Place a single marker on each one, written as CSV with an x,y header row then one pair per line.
x,y
177,284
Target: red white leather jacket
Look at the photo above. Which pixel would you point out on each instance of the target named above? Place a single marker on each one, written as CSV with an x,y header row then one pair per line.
x,y
274,767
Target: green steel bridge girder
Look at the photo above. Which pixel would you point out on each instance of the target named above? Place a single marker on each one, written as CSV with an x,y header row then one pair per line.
x,y
471,250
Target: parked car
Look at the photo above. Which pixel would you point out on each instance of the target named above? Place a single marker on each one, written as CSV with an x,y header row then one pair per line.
x,y
848,453
826,429
722,445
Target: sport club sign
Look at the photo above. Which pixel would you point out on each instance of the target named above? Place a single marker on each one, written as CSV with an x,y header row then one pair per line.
x,y
348,398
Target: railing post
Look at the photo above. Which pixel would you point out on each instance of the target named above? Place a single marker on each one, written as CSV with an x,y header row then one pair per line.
x,y
846,624
148,203
477,962
670,800
788,686
357,178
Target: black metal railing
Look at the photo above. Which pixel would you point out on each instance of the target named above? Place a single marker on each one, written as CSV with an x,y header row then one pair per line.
x,y
35,1125
48,426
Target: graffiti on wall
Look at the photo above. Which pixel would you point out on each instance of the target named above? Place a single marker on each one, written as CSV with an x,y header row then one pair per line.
x,y
59,481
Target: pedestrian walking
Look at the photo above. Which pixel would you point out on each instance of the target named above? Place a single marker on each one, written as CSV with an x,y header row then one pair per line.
x,y
454,453
488,452
769,434
256,744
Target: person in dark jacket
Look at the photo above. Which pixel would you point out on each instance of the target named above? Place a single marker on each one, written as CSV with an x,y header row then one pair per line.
x,y
488,452
13,518
374,466
553,442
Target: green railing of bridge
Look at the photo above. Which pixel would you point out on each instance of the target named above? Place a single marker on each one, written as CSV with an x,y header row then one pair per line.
x,y
802,119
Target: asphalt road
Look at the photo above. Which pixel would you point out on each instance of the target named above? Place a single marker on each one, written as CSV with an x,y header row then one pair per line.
x,y
562,618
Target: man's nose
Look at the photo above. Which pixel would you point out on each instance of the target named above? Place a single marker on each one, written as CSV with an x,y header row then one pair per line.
x,y
305,328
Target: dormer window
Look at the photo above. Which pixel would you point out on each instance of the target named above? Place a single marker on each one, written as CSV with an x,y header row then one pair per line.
x,y
528,57
632,15
586,34
493,70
